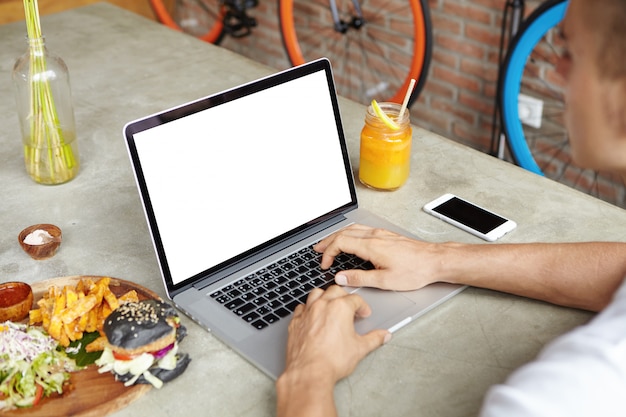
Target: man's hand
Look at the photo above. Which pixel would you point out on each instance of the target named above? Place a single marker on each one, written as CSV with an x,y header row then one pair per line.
x,y
578,274
400,263
322,334
323,348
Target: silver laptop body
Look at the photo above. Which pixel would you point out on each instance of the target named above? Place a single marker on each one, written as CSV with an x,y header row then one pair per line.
x,y
235,181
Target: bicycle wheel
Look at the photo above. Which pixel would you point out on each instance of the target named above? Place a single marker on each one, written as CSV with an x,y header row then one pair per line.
x,y
542,146
375,56
203,19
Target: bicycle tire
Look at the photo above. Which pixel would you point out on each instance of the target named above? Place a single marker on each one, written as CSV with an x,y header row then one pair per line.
x,y
379,69
545,150
547,16
203,19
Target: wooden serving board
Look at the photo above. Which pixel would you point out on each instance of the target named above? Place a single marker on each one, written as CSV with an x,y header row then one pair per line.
x,y
92,394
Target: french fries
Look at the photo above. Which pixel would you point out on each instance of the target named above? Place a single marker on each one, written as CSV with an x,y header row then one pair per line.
x,y
68,313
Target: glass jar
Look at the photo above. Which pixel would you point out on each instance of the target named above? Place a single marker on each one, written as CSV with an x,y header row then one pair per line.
x,y
46,115
385,159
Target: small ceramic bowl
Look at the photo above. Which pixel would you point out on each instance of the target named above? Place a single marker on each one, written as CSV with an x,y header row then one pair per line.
x,y
16,300
47,245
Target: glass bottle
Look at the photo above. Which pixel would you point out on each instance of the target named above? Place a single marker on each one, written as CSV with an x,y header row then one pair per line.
x,y
46,115
385,159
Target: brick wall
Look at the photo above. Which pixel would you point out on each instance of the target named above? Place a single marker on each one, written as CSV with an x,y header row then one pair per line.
x,y
458,97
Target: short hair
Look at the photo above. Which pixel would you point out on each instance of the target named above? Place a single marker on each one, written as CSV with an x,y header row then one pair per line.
x,y
607,21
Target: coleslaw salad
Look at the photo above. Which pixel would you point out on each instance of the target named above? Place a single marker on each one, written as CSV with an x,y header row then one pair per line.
x,y
31,367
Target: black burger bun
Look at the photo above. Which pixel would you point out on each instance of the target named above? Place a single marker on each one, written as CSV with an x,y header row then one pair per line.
x,y
139,327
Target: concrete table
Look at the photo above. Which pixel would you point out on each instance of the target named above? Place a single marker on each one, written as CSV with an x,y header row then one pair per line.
x,y
124,67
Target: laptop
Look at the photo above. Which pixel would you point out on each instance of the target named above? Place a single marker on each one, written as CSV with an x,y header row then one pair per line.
x,y
236,188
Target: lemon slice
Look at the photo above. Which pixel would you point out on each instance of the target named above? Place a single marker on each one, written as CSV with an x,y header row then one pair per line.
x,y
383,116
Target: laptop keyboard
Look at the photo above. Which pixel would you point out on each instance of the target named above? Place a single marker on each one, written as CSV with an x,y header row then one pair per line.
x,y
272,293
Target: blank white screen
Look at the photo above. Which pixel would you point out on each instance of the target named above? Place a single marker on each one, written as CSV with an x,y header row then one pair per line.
x,y
227,179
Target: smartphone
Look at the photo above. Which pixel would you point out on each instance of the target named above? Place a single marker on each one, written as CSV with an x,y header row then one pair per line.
x,y
470,217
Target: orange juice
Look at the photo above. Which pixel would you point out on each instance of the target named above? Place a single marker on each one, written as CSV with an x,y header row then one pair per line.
x,y
385,153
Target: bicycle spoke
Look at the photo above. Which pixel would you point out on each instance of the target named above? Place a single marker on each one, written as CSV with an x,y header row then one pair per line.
x,y
372,57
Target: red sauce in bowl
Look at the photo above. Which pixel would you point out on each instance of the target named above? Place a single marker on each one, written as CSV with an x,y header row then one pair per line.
x,y
16,299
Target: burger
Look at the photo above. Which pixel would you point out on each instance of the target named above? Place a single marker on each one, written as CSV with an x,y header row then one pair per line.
x,y
142,343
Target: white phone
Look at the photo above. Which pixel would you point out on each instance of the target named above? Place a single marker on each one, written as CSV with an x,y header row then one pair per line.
x,y
470,217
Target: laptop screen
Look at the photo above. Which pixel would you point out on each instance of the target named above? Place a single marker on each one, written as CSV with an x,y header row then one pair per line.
x,y
231,173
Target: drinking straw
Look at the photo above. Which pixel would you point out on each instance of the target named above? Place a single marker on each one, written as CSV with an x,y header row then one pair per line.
x,y
406,98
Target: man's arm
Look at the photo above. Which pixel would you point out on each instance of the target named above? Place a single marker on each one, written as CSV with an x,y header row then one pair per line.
x,y
323,348
582,275
305,392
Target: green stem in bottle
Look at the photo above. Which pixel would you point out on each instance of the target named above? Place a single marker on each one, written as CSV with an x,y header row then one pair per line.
x,y
45,123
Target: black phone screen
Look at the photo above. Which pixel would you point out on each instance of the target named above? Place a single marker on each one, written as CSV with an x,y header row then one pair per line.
x,y
470,215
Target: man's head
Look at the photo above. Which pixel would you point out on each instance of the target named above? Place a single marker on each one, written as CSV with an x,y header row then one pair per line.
x,y
594,66
606,19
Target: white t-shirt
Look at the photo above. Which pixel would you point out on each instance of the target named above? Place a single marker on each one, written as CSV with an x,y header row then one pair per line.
x,y
582,373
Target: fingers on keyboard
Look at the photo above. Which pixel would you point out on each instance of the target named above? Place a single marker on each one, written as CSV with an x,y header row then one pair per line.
x,y
273,293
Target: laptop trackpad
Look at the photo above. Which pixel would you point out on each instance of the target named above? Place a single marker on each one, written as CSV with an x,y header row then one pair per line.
x,y
387,309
